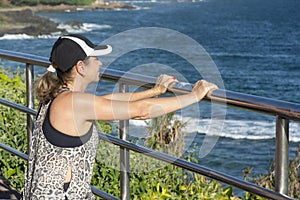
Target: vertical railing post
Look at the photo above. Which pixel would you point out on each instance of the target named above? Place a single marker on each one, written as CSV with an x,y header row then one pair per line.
x,y
282,155
124,155
29,102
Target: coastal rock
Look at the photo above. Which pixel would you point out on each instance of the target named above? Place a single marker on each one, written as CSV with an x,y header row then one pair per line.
x,y
23,20
26,22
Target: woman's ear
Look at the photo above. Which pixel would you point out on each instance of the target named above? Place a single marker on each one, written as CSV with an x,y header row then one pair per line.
x,y
81,68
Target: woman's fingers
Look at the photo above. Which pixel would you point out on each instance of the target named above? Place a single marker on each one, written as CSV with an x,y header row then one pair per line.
x,y
202,88
164,82
212,86
202,84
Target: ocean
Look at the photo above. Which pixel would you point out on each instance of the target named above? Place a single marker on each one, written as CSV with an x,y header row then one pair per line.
x,y
254,47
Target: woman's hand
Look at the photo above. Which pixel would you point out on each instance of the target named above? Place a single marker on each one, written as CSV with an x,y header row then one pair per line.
x,y
163,82
203,88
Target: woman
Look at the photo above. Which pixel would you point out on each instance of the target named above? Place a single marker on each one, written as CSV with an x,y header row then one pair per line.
x,y
64,141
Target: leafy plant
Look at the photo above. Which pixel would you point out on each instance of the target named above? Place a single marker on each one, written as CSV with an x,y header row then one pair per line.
x,y
268,181
165,134
153,179
12,127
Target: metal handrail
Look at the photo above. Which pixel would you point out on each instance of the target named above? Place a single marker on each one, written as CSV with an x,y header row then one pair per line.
x,y
18,107
246,101
14,151
261,104
244,185
284,111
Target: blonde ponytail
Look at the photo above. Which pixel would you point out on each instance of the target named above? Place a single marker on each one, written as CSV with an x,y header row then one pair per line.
x,y
47,87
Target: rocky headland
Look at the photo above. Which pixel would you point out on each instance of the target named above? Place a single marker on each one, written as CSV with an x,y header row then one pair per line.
x,y
23,20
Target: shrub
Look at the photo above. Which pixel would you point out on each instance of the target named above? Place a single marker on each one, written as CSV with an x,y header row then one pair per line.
x,y
153,179
165,134
12,127
268,181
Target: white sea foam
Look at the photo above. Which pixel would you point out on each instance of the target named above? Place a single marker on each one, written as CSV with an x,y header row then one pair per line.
x,y
27,37
86,27
91,26
15,37
234,129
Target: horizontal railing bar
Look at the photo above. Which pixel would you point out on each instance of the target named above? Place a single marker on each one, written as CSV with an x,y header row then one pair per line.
x,y
14,151
289,106
163,157
24,58
247,186
102,194
259,104
246,101
17,106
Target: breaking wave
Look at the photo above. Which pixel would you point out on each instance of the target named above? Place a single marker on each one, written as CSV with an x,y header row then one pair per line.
x,y
85,27
233,129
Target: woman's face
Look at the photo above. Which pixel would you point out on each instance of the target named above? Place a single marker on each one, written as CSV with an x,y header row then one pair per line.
x,y
93,65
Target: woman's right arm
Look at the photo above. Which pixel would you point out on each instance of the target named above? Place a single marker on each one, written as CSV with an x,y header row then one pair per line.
x,y
152,108
163,82
99,108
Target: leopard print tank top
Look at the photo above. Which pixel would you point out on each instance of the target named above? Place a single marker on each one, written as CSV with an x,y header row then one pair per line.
x,y
48,165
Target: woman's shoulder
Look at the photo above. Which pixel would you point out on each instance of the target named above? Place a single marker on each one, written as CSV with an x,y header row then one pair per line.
x,y
74,101
62,100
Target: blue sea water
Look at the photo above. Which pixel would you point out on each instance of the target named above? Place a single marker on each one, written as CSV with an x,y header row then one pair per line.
x,y
255,46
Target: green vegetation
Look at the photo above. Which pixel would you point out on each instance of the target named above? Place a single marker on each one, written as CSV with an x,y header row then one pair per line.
x,y
12,127
3,19
165,135
149,178
268,181
152,179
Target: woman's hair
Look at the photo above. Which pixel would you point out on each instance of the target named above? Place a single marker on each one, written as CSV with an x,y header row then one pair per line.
x,y
48,86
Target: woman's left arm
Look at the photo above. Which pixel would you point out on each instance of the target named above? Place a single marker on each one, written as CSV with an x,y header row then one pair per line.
x,y
163,82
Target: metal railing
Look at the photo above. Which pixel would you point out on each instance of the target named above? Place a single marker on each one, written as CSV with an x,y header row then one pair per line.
x,y
284,111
